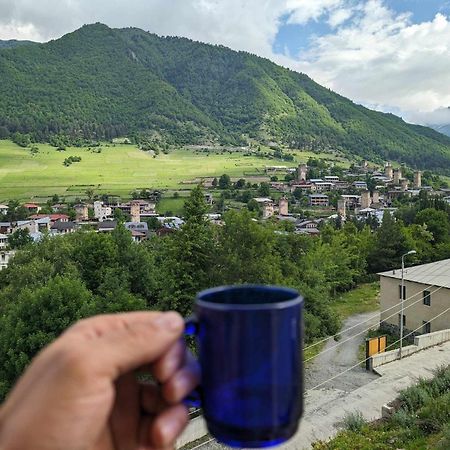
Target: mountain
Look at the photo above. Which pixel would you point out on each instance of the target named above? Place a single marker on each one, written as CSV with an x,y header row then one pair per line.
x,y
13,43
99,82
444,129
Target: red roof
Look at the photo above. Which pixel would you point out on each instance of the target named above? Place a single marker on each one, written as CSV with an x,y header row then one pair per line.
x,y
53,217
30,205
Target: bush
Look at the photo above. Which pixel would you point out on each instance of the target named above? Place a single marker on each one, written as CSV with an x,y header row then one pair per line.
x,y
354,421
415,397
435,415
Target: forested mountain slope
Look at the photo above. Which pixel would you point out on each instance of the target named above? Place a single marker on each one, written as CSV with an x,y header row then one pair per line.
x,y
102,83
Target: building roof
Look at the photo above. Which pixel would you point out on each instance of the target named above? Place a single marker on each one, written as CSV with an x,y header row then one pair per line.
x,y
107,225
61,226
432,274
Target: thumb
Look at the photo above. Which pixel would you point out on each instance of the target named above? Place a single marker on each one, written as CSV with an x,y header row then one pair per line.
x,y
130,341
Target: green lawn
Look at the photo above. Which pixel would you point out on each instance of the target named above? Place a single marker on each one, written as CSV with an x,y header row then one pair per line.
x,y
118,170
364,298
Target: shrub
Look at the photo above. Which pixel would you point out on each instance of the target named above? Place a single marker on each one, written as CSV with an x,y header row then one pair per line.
x,y
354,421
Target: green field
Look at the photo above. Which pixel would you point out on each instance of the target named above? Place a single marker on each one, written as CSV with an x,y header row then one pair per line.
x,y
117,170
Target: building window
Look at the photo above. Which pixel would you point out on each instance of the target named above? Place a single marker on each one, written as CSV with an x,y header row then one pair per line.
x,y
404,320
400,292
427,298
426,327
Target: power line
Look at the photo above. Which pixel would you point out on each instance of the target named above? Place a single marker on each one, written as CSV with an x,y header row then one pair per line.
x,y
369,328
373,317
364,360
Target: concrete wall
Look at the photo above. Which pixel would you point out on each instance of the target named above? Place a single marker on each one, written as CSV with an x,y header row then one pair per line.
x,y
418,313
196,429
420,343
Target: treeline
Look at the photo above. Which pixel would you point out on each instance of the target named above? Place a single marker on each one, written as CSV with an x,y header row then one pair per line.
x,y
59,280
99,83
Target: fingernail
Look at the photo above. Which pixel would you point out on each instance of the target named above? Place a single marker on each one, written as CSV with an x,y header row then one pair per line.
x,y
169,321
170,429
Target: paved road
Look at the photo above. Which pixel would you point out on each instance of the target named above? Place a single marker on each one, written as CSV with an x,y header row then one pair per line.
x,y
338,356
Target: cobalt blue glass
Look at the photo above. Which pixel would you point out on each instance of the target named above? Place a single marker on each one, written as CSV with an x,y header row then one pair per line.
x,y
250,341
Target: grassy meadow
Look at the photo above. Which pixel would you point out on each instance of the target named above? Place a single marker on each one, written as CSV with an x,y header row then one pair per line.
x,y
117,170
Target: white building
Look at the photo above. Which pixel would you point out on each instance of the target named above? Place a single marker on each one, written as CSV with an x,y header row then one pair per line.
x,y
101,212
3,241
5,257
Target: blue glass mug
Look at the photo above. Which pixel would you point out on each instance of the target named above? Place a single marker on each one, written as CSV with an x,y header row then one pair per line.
x,y
250,341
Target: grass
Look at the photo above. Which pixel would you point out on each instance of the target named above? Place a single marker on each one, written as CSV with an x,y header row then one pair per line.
x,y
363,299
421,422
118,169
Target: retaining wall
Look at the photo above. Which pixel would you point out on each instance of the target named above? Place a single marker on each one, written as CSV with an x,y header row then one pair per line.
x,y
420,343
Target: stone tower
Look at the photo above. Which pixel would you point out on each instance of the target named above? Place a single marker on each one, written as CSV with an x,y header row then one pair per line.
x,y
389,171
417,179
404,184
302,172
81,213
397,176
376,197
135,211
365,199
342,208
283,206
268,210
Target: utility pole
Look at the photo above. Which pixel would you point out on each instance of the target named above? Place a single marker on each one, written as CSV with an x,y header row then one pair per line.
x,y
402,297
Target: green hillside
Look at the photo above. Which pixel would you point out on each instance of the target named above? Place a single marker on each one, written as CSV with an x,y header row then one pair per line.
x,y
102,83
13,43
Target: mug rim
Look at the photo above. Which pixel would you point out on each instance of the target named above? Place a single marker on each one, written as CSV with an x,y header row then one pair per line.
x,y
296,299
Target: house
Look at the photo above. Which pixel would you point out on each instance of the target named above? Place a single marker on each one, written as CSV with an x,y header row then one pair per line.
x,y
318,200
107,226
426,296
3,209
101,212
63,227
360,185
267,205
139,230
58,207
33,208
324,186
5,257
53,217
3,241
307,227
6,227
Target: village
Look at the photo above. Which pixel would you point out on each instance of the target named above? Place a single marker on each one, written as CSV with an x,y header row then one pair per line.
x,y
351,194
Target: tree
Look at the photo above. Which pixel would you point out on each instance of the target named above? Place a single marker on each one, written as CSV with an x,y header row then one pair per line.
x,y
437,222
240,183
20,238
34,319
188,257
224,181
264,189
390,244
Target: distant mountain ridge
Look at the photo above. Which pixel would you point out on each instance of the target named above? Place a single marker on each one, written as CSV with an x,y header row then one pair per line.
x,y
13,43
101,83
444,129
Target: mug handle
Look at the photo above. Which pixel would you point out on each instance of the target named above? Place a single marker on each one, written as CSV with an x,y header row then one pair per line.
x,y
193,400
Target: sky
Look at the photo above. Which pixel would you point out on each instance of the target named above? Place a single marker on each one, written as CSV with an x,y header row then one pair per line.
x,y
389,55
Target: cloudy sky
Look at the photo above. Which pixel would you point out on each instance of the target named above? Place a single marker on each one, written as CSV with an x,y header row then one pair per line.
x,y
391,55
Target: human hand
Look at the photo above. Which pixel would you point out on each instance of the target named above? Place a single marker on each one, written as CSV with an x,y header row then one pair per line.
x,y
81,392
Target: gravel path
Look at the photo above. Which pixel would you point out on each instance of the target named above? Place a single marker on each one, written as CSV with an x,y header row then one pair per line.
x,y
332,361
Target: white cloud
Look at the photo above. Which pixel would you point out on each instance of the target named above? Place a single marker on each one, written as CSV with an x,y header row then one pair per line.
x,y
305,10
381,58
